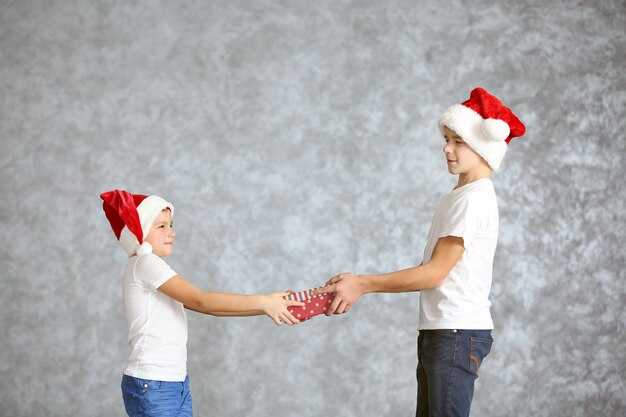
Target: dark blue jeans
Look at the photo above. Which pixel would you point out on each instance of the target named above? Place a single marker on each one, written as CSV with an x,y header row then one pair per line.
x,y
448,363
148,398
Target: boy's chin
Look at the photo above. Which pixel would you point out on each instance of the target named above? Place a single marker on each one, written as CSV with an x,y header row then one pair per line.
x,y
164,252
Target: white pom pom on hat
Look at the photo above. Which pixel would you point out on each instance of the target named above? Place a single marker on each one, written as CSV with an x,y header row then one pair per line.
x,y
131,216
485,124
144,249
496,129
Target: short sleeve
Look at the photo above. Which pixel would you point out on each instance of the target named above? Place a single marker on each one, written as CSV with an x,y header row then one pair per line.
x,y
152,271
462,219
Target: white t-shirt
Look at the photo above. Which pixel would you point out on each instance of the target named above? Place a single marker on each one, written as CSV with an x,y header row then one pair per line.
x,y
462,301
157,324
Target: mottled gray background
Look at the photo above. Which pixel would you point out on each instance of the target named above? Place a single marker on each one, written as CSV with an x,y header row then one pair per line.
x,y
298,140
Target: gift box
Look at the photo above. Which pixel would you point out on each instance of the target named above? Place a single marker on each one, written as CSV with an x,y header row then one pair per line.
x,y
314,305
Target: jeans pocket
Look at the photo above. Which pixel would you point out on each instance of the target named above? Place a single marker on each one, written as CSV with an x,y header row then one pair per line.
x,y
130,394
479,349
130,404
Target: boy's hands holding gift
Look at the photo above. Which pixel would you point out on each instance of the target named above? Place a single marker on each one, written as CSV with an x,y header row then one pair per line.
x,y
347,287
314,305
275,307
336,297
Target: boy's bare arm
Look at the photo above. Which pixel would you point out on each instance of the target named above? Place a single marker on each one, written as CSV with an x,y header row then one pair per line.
x,y
447,252
226,304
237,314
193,298
246,313
349,287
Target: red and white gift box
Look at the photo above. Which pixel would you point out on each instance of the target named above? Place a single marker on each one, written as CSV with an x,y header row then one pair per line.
x,y
314,305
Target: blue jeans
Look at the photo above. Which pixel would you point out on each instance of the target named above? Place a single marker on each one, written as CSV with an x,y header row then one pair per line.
x,y
148,398
448,362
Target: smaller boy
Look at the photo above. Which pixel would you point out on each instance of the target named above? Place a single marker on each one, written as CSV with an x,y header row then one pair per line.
x,y
155,381
455,275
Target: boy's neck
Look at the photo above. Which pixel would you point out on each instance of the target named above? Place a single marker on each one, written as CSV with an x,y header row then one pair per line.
x,y
476,174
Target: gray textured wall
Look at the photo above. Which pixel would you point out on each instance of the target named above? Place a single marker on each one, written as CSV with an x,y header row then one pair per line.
x,y
298,140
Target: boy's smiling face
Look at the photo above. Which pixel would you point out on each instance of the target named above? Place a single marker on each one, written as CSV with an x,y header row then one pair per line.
x,y
460,157
161,235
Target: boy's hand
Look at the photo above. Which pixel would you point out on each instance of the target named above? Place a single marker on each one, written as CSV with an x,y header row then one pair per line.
x,y
275,307
347,289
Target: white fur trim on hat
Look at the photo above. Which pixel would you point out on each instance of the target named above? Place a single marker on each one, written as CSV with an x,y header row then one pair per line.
x,y
485,137
148,210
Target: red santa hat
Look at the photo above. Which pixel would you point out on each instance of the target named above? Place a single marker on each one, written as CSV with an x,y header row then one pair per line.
x,y
131,217
485,124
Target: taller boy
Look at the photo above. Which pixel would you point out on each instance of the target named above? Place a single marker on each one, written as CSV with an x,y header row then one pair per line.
x,y
455,275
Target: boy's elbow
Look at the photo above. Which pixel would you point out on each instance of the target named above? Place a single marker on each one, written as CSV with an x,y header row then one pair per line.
x,y
439,279
437,276
200,304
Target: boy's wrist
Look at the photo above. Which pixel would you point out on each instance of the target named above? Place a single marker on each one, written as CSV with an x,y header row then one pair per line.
x,y
261,302
366,283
